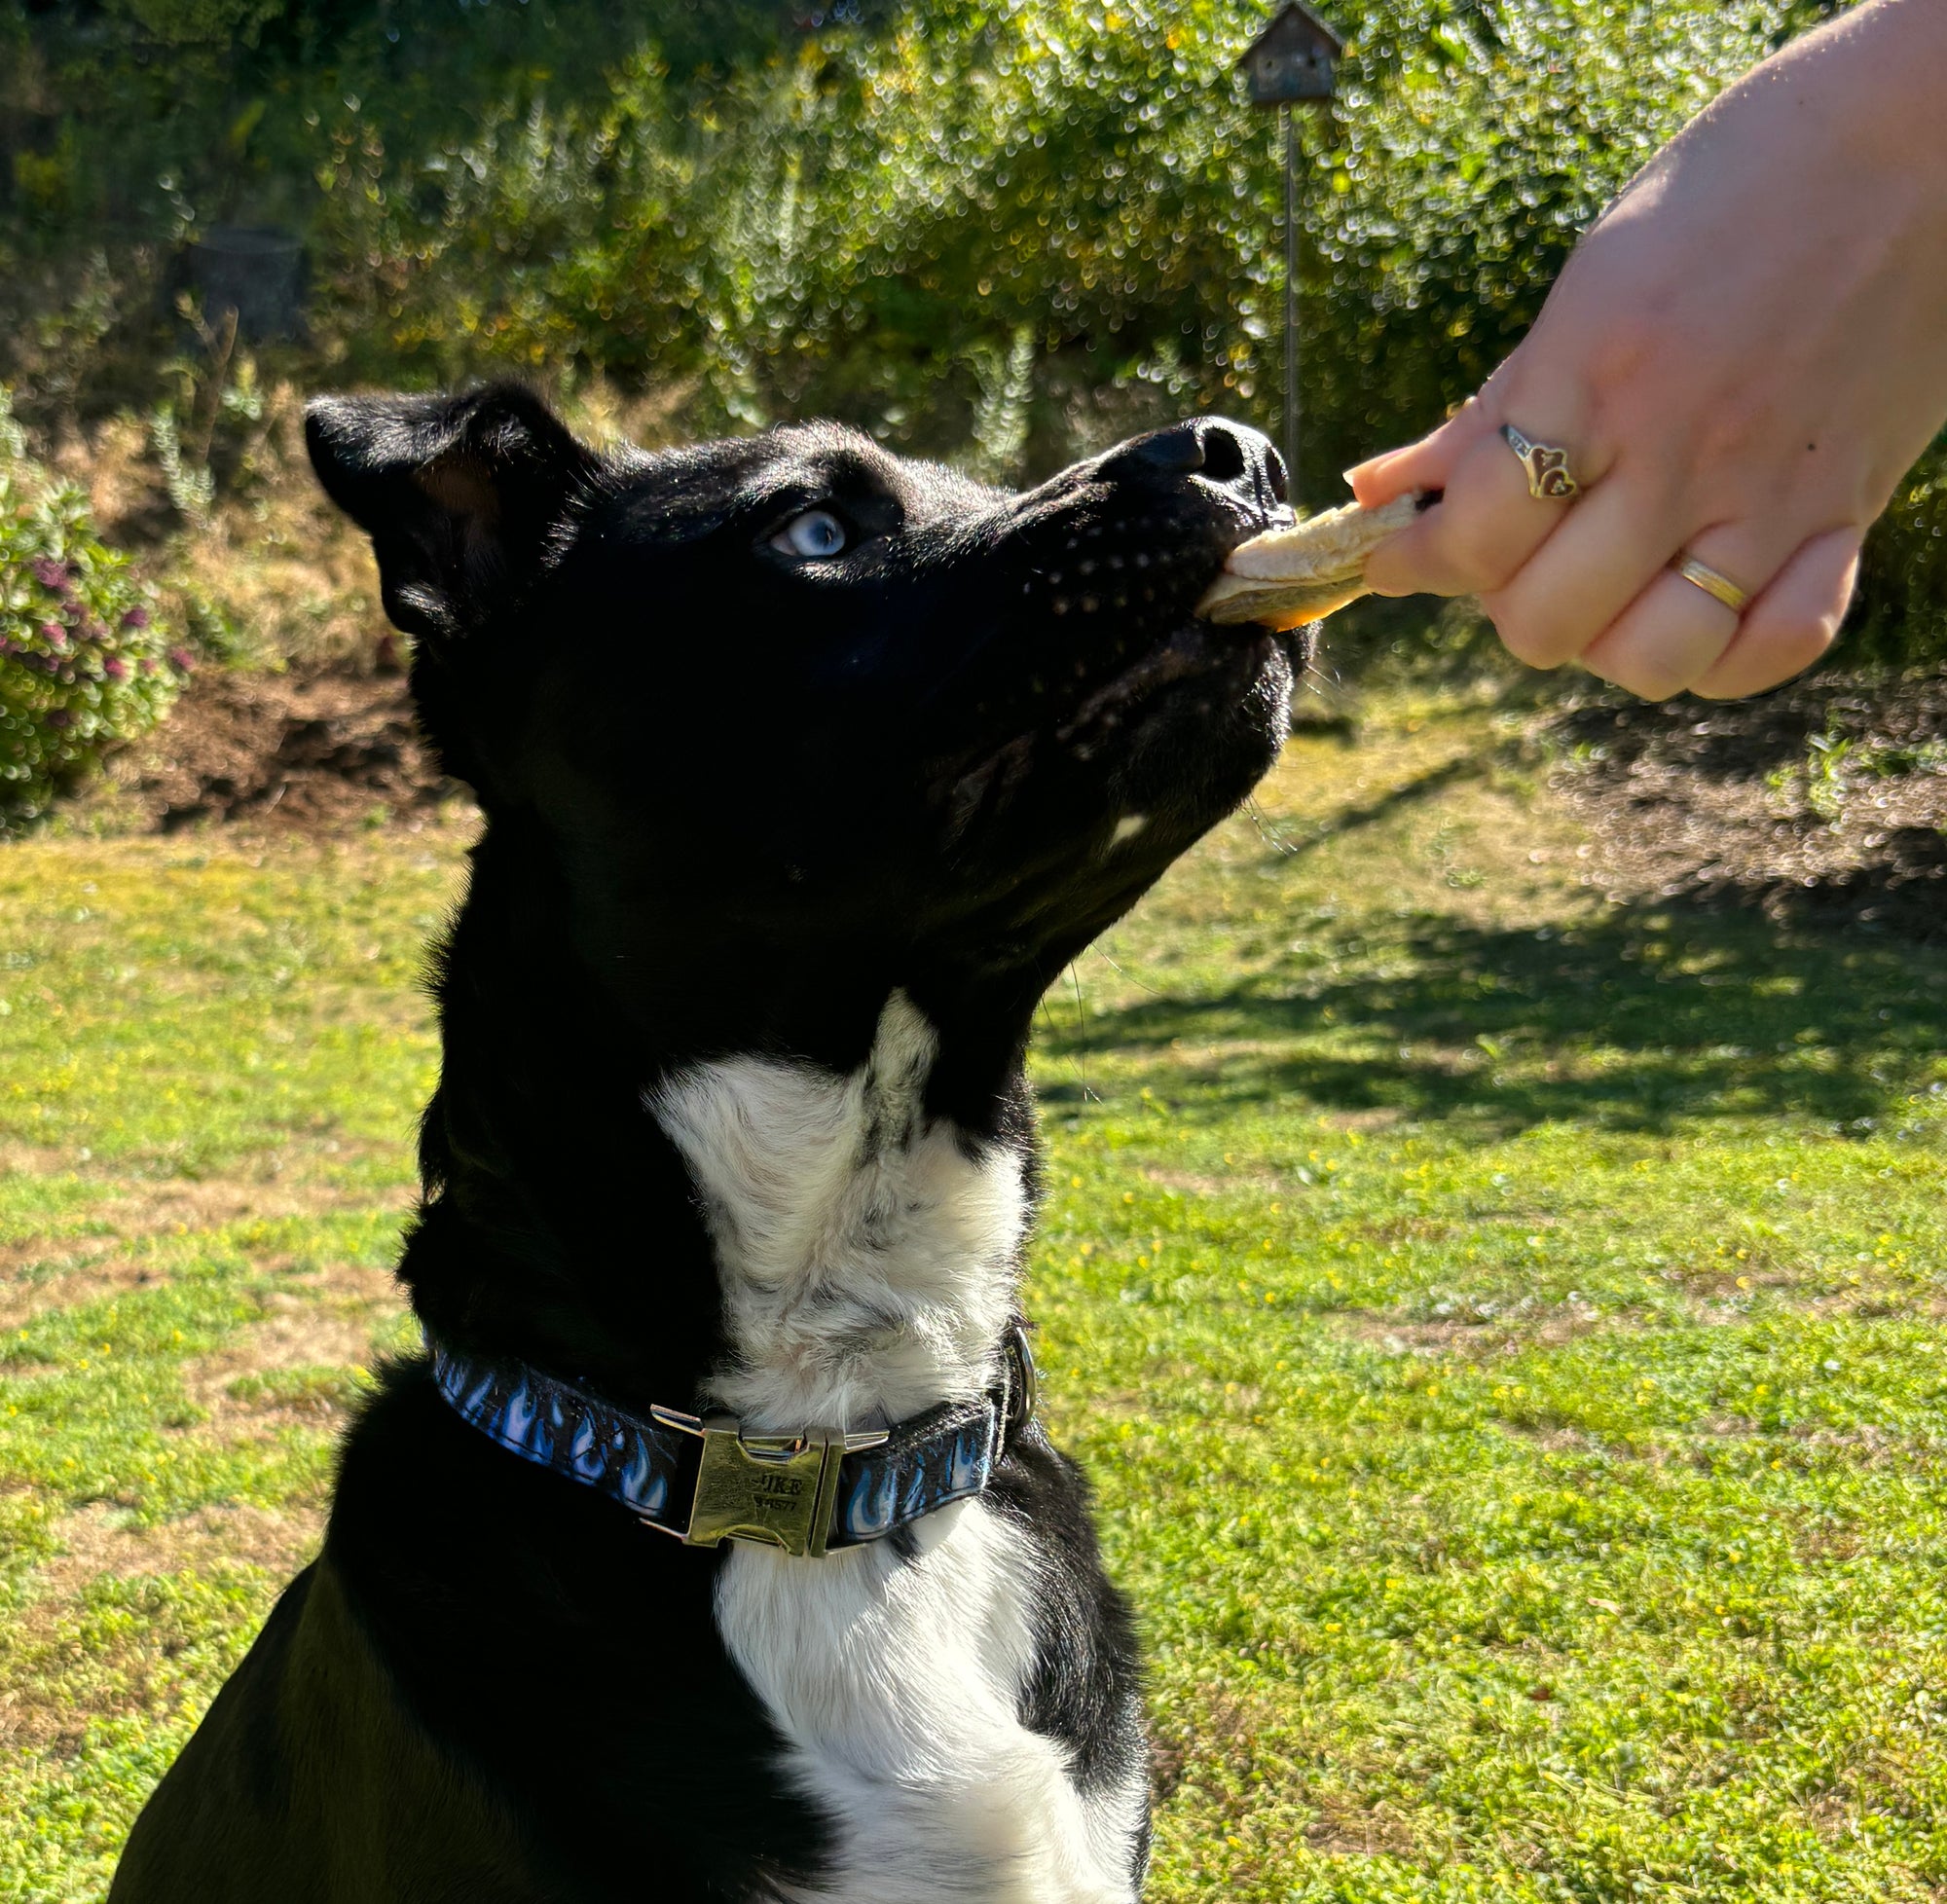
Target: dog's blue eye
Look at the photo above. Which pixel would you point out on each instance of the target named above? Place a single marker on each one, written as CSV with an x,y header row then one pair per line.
x,y
813,535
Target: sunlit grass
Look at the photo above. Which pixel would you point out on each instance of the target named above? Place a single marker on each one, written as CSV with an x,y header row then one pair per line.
x,y
1502,1328
1500,1325
209,1058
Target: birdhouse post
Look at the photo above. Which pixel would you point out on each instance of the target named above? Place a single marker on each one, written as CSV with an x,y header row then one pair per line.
x,y
1289,64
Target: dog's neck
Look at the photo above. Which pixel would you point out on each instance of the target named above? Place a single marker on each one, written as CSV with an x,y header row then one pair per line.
x,y
796,1192
867,1248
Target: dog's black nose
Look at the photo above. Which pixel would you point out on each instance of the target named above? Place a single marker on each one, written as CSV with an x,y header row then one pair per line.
x,y
1231,453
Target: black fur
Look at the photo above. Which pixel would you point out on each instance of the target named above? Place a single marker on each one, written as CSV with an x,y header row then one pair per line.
x,y
733,798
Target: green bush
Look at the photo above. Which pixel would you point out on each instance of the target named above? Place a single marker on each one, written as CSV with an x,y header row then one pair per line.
x,y
881,214
85,663
865,223
1902,616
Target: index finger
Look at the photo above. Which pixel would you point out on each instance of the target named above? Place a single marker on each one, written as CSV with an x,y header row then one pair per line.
x,y
1487,523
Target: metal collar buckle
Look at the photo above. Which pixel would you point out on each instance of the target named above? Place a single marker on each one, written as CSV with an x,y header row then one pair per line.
x,y
1023,1379
777,1489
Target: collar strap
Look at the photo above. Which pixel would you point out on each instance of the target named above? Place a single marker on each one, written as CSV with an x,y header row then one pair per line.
x,y
704,1481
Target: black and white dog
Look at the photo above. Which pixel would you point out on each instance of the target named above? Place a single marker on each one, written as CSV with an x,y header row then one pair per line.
x,y
804,770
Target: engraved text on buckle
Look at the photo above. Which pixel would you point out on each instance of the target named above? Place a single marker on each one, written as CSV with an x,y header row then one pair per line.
x,y
779,1490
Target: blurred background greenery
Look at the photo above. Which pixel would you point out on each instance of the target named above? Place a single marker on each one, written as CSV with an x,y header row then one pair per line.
x,y
1003,232
1022,227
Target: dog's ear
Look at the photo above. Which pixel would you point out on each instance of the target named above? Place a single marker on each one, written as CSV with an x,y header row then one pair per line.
x,y
458,494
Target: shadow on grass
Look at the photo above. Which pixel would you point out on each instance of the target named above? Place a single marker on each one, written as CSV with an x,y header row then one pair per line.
x,y
1414,792
1638,1021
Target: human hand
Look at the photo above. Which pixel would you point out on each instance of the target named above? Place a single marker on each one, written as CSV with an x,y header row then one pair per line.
x,y
1742,358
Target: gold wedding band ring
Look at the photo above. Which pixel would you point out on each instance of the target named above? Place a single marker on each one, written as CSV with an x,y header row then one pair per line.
x,y
1713,582
1545,466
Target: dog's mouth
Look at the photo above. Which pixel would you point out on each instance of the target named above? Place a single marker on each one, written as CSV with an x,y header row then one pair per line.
x,y
1154,608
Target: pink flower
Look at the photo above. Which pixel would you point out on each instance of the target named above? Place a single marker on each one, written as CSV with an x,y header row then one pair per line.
x,y
54,635
51,573
135,619
180,660
115,668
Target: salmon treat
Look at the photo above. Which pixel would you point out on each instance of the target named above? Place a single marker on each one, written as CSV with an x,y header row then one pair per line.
x,y
1305,573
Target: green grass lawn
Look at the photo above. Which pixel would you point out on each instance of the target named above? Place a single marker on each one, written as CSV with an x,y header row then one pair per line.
x,y
1501,1324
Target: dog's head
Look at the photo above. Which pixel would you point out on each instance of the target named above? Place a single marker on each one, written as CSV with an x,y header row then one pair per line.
x,y
797,693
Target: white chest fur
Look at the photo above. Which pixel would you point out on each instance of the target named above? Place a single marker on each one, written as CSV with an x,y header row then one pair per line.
x,y
868,1260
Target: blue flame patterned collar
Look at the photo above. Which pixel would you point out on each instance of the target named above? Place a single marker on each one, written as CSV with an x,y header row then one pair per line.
x,y
703,1481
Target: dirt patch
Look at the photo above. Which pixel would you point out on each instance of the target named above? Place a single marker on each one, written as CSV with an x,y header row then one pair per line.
x,y
63,1288
208,1202
38,1161
1342,1828
99,1541
54,1678
1398,1337
240,1377
91,1267
349,1286
1219,1729
1559,1440
1823,803
320,751
1469,1339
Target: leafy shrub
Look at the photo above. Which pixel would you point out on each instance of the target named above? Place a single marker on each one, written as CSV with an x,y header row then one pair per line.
x,y
1902,612
879,210
84,661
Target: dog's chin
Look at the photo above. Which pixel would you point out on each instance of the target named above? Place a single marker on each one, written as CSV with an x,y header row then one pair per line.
x,y
1196,722
1155,757
1184,731
1197,662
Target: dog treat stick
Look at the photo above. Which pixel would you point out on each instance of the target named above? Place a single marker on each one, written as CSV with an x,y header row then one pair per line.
x,y
1303,573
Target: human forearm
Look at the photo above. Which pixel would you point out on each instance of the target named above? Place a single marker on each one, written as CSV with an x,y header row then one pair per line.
x,y
1871,83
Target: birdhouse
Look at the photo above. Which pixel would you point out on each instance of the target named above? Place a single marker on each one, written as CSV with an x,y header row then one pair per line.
x,y
1290,60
